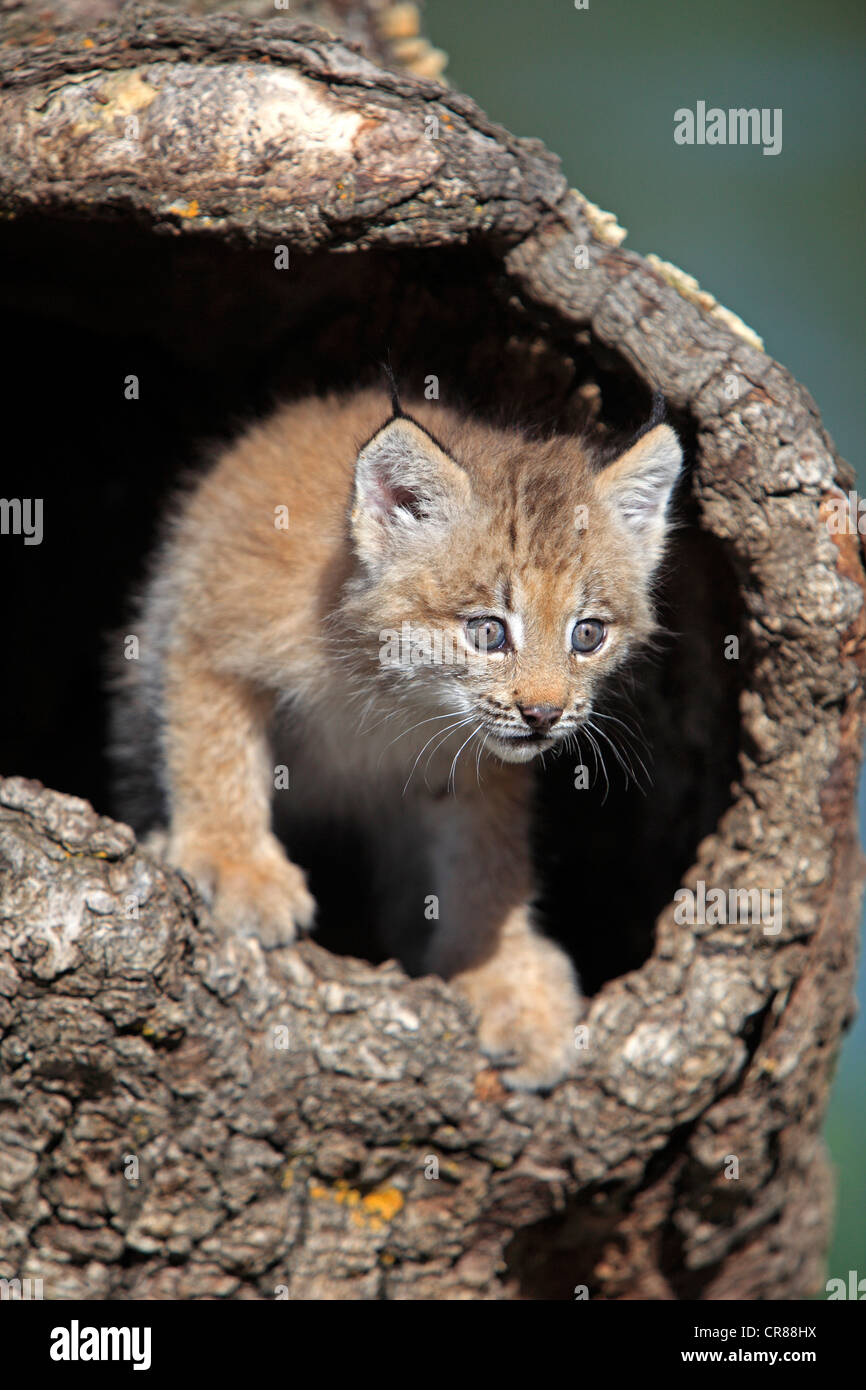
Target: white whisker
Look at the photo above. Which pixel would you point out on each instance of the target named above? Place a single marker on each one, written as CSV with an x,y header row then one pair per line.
x,y
459,724
451,714
451,779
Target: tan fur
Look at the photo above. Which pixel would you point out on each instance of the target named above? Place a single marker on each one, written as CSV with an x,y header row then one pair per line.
x,y
261,645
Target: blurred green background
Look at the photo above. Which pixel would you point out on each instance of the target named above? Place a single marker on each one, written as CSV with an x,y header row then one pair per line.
x,y
778,239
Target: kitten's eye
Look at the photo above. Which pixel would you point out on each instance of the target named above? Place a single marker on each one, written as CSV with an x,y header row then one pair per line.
x,y
588,635
487,634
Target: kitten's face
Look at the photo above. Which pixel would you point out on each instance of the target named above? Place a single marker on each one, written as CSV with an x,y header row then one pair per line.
x,y
505,579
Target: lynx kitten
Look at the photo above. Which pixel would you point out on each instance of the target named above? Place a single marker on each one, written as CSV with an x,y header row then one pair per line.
x,y
403,610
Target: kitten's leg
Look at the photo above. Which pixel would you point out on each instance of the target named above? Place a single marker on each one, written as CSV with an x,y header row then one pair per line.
x,y
219,782
522,985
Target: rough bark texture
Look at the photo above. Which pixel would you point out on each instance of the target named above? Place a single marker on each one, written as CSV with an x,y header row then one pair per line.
x,y
284,1109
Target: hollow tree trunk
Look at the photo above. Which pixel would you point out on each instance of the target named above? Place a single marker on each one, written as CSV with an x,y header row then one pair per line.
x,y
188,1117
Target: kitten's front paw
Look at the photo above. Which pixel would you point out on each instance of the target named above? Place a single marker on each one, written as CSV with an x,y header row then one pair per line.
x,y
529,1005
264,895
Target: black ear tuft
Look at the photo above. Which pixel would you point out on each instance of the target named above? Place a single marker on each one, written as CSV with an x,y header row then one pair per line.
x,y
658,416
659,410
396,408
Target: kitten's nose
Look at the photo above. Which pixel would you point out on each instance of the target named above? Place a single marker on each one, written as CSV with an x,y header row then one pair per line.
x,y
540,718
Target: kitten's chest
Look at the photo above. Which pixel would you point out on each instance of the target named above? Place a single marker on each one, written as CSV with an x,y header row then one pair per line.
x,y
332,759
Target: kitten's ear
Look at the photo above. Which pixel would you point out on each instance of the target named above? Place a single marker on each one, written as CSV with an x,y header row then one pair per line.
x,y
406,486
639,484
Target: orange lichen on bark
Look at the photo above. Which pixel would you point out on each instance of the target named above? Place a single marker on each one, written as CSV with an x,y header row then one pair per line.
x,y
371,1211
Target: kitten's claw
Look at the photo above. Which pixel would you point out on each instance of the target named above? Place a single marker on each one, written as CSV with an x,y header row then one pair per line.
x,y
528,1009
264,895
534,1059
265,900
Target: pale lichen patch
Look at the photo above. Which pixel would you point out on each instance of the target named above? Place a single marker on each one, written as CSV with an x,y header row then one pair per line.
x,y
688,287
604,224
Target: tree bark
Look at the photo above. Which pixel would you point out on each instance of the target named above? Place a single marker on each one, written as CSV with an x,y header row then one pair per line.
x,y
183,1116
